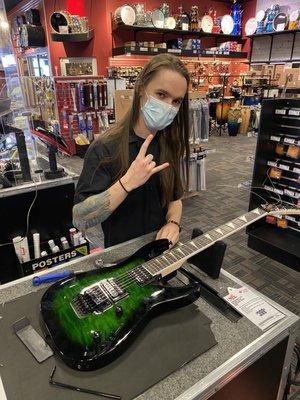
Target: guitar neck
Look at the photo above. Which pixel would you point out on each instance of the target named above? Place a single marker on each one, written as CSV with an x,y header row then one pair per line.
x,y
173,259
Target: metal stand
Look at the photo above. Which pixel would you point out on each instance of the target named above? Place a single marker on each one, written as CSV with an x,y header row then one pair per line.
x,y
53,172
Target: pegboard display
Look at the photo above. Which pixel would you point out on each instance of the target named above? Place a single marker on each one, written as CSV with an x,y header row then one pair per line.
x,y
82,108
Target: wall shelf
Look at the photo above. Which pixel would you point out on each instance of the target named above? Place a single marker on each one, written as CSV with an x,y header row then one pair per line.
x,y
117,51
73,37
178,32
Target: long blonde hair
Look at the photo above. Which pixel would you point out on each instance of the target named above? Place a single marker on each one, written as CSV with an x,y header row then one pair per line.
x,y
174,140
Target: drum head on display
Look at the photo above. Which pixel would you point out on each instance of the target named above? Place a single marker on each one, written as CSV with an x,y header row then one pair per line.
x,y
227,24
59,18
251,26
207,24
158,18
170,23
127,15
280,22
294,15
260,15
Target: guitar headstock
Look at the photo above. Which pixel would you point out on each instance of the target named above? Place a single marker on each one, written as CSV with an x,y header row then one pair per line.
x,y
276,210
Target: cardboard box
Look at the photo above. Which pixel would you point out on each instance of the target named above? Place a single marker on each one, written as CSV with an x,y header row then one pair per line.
x,y
123,102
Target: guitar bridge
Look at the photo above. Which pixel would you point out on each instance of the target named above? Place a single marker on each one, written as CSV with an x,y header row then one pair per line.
x,y
98,297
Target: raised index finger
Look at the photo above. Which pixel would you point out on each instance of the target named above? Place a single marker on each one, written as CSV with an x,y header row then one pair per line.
x,y
145,145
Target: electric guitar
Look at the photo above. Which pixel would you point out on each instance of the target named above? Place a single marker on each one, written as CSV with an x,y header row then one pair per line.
x,y
93,316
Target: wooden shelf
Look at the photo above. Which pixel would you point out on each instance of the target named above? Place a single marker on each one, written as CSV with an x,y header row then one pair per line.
x,y
178,32
73,37
118,51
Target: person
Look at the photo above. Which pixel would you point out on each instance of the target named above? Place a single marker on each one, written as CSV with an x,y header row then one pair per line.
x,y
131,178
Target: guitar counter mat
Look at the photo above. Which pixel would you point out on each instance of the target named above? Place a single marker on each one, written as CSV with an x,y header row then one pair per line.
x,y
165,345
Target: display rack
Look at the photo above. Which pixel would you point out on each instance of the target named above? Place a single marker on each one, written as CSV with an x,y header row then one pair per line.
x,y
276,179
133,30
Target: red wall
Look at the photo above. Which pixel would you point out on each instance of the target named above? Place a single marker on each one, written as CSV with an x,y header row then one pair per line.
x,y
99,13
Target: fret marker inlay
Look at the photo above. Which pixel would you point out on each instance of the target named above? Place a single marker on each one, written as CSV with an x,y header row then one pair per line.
x,y
230,224
219,231
243,218
208,236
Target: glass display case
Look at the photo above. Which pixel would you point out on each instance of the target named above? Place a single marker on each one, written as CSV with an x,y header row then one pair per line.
x,y
18,156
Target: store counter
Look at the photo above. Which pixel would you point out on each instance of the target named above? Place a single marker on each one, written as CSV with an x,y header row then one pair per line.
x,y
246,363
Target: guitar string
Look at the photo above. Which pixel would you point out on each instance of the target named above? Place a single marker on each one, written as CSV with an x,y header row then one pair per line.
x,y
126,279
129,280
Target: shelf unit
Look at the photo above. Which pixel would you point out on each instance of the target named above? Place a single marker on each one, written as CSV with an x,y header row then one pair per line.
x,y
280,123
178,32
134,29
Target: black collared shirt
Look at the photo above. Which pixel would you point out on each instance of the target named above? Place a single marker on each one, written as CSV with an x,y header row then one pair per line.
x,y
141,212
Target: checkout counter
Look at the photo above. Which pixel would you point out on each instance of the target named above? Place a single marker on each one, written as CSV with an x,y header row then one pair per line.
x,y
245,363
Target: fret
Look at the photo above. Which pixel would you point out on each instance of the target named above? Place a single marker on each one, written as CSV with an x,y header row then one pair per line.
x,y
176,258
179,251
238,223
226,229
243,218
191,247
231,225
185,250
166,259
215,235
154,265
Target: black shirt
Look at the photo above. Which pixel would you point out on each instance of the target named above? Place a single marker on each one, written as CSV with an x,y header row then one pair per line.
x,y
141,212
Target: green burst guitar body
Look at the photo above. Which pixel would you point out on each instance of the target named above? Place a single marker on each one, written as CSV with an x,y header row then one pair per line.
x,y
93,317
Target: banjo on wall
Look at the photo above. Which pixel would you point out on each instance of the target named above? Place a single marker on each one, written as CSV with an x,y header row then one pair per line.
x,y
93,317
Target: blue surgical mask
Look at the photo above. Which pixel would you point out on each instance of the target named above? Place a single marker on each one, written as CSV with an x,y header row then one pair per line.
x,y
158,114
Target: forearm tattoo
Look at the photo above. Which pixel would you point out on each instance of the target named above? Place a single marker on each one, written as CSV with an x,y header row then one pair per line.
x,y
92,211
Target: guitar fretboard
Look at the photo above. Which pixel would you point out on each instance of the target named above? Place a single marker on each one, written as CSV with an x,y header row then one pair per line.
x,y
181,253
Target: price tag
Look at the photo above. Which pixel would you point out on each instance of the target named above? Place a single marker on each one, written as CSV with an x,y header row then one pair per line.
x,y
284,167
143,48
268,188
297,170
297,195
280,112
289,140
289,192
155,50
253,307
275,138
294,112
272,164
177,51
290,218
278,191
